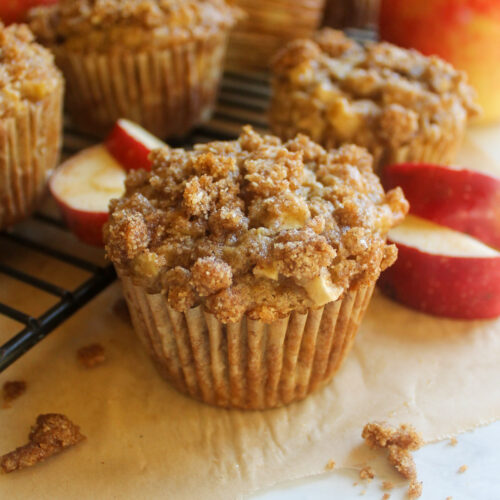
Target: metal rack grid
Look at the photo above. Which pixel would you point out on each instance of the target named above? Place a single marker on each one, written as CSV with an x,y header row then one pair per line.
x,y
243,99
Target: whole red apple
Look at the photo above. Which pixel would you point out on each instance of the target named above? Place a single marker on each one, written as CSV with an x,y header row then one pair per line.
x,y
463,32
14,11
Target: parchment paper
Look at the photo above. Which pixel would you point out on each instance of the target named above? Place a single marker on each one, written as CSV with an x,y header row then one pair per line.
x,y
146,441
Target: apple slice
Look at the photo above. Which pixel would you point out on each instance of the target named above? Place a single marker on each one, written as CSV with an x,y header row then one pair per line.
x,y
461,199
131,144
443,272
83,187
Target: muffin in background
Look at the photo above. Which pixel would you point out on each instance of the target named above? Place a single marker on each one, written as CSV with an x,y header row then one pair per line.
x,y
157,63
31,95
248,265
399,104
267,26
352,13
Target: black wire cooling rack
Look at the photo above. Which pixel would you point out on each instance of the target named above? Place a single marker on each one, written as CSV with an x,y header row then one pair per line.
x,y
243,99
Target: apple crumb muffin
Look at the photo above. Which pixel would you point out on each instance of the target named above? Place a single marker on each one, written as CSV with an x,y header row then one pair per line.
x,y
156,62
399,104
252,234
31,91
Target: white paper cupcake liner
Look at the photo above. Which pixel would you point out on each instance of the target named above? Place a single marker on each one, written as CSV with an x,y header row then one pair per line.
x,y
250,364
167,91
30,144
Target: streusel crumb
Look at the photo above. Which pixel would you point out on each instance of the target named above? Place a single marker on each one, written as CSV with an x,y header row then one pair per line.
x,y
388,485
399,442
52,434
462,469
254,226
330,465
27,70
386,496
367,473
13,389
91,355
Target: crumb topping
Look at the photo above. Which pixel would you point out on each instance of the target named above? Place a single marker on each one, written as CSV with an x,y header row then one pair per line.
x,y
367,473
379,95
399,443
254,225
91,355
86,25
52,434
13,389
27,70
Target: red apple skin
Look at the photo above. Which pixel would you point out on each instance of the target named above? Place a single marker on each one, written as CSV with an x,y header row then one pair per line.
x,y
128,150
461,199
14,11
453,287
463,32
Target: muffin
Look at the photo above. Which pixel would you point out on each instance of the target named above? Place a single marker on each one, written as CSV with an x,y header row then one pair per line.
x,y
247,266
399,104
31,93
351,13
155,62
268,25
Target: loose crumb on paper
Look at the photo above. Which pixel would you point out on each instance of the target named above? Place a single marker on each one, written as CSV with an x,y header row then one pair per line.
x,y
453,441
398,442
330,465
415,489
51,434
367,473
462,469
12,389
387,485
91,355
449,498
386,496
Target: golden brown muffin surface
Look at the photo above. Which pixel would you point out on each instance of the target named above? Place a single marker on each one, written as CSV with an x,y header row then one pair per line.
x,y
27,70
254,225
105,25
379,96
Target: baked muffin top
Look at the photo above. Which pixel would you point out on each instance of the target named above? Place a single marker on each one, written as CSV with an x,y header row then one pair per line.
x,y
254,225
393,92
27,70
105,25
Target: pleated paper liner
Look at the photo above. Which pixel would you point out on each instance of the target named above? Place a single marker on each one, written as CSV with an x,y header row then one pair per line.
x,y
248,365
167,91
30,144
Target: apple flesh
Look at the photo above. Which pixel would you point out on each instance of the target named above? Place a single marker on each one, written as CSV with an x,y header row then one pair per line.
x,y
443,272
464,32
83,187
14,11
461,199
131,144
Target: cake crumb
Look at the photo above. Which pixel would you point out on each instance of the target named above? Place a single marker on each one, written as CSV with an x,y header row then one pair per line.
x,y
355,483
330,465
387,485
453,441
91,355
415,489
386,496
449,498
398,442
462,469
51,434
12,389
367,473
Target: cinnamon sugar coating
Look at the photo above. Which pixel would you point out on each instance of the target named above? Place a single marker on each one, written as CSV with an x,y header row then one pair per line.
x,y
27,70
114,25
395,102
254,226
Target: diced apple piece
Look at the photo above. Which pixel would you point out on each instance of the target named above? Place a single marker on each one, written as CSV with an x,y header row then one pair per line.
x,y
270,272
321,290
443,272
464,200
131,144
83,187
